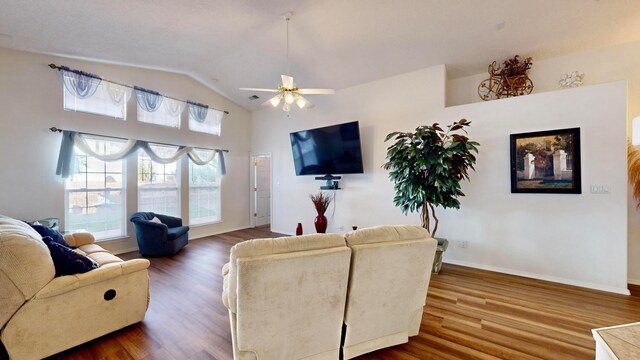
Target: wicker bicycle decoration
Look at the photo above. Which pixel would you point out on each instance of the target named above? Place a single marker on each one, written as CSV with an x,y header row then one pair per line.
x,y
508,80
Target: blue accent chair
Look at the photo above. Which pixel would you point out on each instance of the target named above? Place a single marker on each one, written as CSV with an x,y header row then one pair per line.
x,y
159,239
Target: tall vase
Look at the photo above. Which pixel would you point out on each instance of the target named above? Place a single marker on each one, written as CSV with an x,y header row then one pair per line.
x,y
321,224
299,229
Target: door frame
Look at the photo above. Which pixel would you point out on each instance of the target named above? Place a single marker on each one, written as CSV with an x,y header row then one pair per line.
x,y
252,180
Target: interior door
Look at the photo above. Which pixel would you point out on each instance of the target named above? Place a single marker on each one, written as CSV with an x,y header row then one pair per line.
x,y
262,190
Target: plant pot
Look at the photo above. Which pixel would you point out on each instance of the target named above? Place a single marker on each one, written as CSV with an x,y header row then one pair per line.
x,y
321,224
437,260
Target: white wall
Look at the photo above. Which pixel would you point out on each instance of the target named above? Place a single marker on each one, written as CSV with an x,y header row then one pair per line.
x,y
573,239
398,103
614,63
31,102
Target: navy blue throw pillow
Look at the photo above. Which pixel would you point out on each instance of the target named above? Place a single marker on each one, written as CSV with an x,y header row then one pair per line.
x,y
54,234
67,261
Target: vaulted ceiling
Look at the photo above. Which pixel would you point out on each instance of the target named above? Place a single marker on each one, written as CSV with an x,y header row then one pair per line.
x,y
334,43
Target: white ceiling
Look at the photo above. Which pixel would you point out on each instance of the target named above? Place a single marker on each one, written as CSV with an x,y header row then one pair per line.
x,y
334,43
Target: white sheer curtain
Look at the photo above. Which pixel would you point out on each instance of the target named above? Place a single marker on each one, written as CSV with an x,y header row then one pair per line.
x,y
71,140
81,143
211,124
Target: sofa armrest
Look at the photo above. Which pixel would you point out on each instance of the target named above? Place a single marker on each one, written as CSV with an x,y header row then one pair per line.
x,y
170,221
79,239
64,284
225,291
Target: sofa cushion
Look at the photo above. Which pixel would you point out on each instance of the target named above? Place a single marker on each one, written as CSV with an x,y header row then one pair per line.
x,y
66,261
174,233
91,248
281,245
104,257
386,233
25,265
285,244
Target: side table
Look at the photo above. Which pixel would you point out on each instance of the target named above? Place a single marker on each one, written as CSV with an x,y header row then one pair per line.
x,y
619,342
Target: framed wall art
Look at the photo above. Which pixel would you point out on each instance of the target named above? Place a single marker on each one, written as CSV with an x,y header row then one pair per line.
x,y
546,162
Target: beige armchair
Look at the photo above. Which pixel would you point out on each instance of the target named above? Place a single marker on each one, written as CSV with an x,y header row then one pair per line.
x,y
390,273
41,315
286,297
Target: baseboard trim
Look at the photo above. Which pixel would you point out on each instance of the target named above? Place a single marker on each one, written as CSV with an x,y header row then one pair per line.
x,y
612,289
634,281
221,232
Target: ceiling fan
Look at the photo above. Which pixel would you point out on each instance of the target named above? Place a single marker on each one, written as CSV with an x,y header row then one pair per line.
x,y
288,92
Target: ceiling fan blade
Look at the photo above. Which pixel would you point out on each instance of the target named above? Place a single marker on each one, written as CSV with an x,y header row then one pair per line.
x,y
276,99
287,81
306,104
309,105
317,91
258,89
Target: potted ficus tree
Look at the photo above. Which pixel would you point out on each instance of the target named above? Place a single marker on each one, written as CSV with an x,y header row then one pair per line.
x,y
426,167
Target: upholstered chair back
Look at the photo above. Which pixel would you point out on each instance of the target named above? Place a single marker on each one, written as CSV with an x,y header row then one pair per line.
x,y
286,296
25,266
389,278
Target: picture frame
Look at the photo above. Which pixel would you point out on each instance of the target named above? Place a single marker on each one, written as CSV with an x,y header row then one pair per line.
x,y
546,162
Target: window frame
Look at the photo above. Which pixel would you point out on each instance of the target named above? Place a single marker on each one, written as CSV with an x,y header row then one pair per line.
x,y
178,186
217,186
210,114
87,190
104,94
140,111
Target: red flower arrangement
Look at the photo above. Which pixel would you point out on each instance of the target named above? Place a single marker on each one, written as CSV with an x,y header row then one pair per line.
x,y
516,66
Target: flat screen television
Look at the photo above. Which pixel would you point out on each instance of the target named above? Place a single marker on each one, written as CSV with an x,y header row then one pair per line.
x,y
330,150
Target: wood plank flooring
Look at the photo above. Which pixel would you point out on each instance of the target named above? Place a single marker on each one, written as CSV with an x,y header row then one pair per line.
x,y
470,314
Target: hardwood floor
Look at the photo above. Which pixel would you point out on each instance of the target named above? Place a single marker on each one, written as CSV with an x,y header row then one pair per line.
x,y
470,314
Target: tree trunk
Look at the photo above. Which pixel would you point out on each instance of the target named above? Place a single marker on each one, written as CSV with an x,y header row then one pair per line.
x,y
425,216
436,221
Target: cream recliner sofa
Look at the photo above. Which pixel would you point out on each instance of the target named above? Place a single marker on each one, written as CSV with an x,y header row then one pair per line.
x,y
390,273
41,315
286,297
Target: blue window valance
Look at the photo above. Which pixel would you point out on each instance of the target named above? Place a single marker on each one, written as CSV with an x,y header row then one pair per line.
x,y
198,111
79,83
148,100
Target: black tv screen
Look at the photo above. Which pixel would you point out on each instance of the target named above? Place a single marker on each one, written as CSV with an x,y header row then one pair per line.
x,y
328,150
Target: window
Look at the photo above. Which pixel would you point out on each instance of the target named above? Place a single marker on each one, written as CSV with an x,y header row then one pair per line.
x,y
211,124
94,196
204,191
158,184
167,114
109,99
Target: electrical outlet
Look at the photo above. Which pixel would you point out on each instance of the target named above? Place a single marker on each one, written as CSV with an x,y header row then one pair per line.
x,y
464,244
600,189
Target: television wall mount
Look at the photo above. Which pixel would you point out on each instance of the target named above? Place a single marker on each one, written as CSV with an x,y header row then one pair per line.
x,y
331,183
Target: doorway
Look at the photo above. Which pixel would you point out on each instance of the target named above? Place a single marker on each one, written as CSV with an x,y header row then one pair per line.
x,y
261,188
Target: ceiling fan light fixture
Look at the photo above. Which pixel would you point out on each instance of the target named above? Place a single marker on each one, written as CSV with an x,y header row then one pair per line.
x,y
288,92
289,98
275,101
